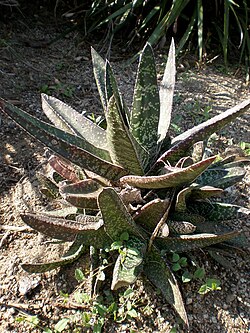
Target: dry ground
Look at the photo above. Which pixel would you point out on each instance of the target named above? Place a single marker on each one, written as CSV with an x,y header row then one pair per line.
x,y
64,70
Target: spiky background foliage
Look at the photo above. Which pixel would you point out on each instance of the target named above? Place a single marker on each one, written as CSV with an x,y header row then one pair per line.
x,y
132,179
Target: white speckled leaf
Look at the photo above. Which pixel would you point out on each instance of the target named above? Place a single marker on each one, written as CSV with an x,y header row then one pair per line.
x,y
166,94
66,118
146,103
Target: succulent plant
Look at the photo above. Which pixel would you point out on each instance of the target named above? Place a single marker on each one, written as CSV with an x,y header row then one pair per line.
x,y
132,178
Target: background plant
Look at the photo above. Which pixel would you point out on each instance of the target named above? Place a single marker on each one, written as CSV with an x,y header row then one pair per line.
x,y
133,190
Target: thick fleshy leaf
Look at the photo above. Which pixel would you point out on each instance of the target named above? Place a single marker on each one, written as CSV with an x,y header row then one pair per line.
x,y
82,194
150,214
116,217
129,265
184,243
67,119
186,216
221,259
159,273
218,227
47,186
216,211
221,177
112,90
180,204
65,144
194,191
180,227
146,103
179,177
74,252
61,212
183,142
122,149
166,95
57,227
64,168
99,73
205,192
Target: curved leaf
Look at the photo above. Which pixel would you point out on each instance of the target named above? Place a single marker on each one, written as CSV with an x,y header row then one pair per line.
x,y
57,227
173,179
74,252
150,214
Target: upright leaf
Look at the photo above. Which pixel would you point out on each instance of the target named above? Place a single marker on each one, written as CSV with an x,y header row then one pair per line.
x,y
146,103
122,149
99,73
166,95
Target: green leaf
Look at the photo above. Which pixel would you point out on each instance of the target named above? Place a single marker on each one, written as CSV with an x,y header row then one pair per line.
x,y
132,313
47,330
216,211
71,147
221,177
184,243
199,273
79,275
175,257
74,252
67,119
128,292
117,219
183,142
146,103
124,236
61,324
169,18
176,267
99,73
161,276
122,149
176,178
186,277
166,95
150,214
127,269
